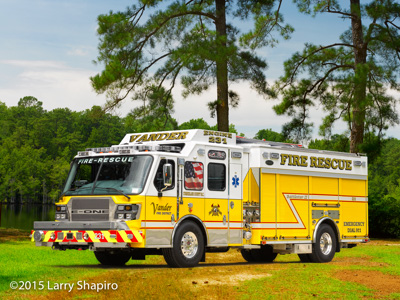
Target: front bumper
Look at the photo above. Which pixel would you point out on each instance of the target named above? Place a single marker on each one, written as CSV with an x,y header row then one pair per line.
x,y
83,235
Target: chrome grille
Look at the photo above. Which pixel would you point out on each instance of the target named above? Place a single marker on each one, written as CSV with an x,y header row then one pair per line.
x,y
92,209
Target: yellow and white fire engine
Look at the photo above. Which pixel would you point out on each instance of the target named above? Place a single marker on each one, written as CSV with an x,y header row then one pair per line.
x,y
184,193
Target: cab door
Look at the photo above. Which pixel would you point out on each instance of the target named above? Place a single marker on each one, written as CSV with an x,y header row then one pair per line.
x,y
216,196
161,208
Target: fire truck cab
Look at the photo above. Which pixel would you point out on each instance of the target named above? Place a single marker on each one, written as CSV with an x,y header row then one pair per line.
x,y
181,194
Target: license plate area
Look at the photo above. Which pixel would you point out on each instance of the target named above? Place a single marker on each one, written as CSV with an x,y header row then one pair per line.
x,y
70,236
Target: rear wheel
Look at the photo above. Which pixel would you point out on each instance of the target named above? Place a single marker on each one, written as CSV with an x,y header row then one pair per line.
x,y
113,257
325,245
188,247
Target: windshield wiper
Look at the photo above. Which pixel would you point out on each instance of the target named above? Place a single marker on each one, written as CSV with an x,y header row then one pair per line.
x,y
97,187
74,189
113,189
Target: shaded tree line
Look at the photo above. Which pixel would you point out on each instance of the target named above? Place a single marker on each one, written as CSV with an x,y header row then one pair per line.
x,y
37,146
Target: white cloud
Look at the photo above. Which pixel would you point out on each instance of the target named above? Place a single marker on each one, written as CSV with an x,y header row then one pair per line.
x,y
53,83
32,64
81,51
58,85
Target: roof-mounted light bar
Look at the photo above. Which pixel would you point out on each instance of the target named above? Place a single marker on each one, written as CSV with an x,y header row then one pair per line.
x,y
143,148
83,153
111,149
168,148
130,149
103,150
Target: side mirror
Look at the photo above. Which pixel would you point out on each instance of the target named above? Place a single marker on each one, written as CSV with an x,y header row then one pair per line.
x,y
167,175
80,183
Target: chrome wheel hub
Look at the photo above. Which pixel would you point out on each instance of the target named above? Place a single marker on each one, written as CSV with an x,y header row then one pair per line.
x,y
326,243
189,244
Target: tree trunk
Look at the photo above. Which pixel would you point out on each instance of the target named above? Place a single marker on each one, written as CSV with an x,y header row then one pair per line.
x,y
222,68
360,78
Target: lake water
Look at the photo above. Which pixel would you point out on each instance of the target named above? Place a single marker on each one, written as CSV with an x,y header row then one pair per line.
x,y
22,216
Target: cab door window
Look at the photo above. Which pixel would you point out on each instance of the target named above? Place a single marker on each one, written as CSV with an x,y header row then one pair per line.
x,y
193,175
158,180
216,177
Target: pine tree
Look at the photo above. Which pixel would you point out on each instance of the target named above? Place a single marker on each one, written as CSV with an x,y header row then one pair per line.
x,y
154,43
348,78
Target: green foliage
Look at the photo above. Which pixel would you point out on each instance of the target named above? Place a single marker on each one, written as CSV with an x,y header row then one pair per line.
x,y
154,114
36,146
337,142
384,191
153,43
201,124
270,135
348,79
195,123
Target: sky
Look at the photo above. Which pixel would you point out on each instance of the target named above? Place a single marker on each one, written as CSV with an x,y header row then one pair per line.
x,y
48,48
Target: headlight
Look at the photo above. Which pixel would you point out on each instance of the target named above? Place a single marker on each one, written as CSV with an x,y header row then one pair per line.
x,y
61,208
126,212
61,212
38,236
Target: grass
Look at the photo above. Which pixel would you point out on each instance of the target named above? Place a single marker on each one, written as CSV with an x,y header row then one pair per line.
x,y
22,261
367,271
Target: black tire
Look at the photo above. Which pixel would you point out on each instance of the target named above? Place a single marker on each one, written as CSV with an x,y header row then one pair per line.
x,y
113,257
247,255
324,246
187,247
265,254
304,258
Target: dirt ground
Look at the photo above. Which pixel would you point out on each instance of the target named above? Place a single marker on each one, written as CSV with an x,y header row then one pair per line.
x,y
382,284
13,235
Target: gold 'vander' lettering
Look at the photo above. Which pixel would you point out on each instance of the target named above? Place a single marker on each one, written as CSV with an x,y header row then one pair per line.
x,y
316,162
152,137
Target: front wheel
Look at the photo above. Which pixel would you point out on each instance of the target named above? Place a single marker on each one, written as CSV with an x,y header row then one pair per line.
x,y
247,255
113,257
187,247
325,245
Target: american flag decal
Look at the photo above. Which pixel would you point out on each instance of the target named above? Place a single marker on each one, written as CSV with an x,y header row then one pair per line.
x,y
193,175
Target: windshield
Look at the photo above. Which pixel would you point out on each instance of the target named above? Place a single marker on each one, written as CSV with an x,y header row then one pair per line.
x,y
108,175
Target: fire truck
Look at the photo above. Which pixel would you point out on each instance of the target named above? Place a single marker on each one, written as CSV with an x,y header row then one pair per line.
x,y
182,194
